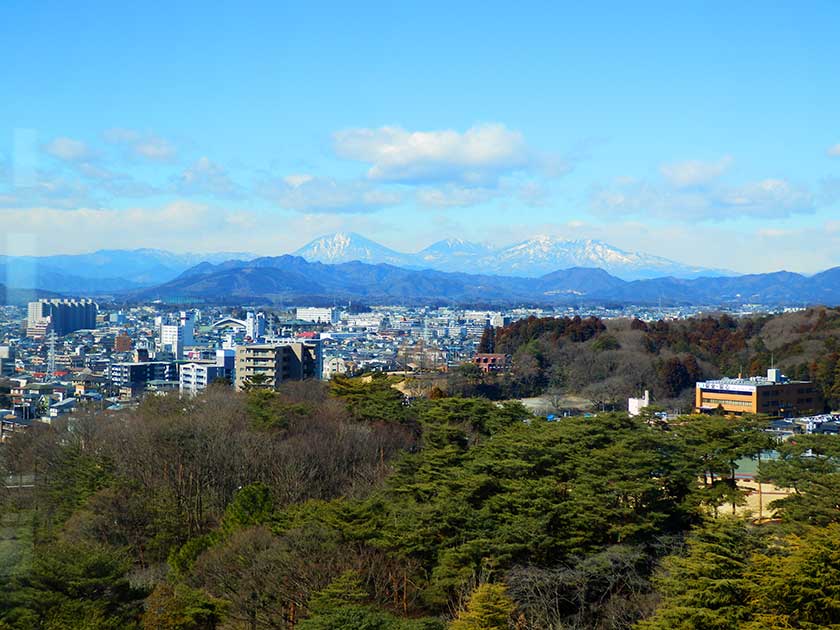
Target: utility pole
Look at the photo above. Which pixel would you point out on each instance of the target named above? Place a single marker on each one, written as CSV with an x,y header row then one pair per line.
x,y
51,356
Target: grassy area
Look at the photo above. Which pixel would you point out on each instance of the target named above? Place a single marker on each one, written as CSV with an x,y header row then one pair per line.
x,y
15,542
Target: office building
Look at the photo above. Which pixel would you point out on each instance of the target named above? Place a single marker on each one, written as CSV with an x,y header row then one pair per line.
x,y
273,363
773,395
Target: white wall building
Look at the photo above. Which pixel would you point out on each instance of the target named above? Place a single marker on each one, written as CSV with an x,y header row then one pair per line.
x,y
318,315
171,339
635,405
196,376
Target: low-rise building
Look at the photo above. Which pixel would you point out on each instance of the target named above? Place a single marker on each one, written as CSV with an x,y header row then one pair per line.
x,y
774,395
318,315
195,376
492,362
635,405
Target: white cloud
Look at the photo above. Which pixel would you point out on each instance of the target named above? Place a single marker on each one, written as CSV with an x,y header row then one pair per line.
x,y
452,196
834,151
206,177
50,189
830,190
68,149
476,157
297,180
691,173
767,198
247,220
143,145
86,229
307,193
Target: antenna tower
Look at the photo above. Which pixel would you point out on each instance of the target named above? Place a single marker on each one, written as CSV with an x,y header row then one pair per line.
x,y
51,355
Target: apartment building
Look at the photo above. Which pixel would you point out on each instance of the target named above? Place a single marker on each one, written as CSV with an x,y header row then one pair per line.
x,y
61,316
273,363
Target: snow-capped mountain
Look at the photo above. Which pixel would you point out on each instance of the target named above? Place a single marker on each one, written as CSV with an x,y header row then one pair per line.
x,y
451,254
531,258
543,254
348,246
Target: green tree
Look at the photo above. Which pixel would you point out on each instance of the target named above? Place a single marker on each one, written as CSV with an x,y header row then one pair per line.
x,y
251,506
796,582
179,607
74,586
489,608
707,588
257,381
809,465
372,401
487,343
345,605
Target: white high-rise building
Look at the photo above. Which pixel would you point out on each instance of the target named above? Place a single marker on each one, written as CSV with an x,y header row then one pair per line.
x,y
255,326
177,336
187,324
172,340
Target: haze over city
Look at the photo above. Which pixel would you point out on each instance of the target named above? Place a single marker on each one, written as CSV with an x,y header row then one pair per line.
x,y
201,129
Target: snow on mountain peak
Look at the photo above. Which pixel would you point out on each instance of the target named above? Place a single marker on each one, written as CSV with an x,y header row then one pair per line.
x,y
535,256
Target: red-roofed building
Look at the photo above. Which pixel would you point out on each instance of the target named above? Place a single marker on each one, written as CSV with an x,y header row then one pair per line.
x,y
492,362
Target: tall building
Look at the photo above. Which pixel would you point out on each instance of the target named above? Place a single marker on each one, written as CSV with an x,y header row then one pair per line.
x,y
61,316
773,395
187,323
171,339
255,326
277,362
7,361
175,337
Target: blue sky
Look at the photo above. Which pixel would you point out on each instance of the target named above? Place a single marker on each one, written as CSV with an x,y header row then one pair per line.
x,y
705,132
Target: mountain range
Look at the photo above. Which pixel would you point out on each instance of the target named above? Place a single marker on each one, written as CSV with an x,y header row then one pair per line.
x,y
103,271
347,266
292,279
112,271
530,258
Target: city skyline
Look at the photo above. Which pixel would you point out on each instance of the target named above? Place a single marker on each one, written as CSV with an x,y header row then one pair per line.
x,y
700,134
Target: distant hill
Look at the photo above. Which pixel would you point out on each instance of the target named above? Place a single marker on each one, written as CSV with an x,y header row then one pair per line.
x,y
292,277
103,271
285,278
356,268
19,297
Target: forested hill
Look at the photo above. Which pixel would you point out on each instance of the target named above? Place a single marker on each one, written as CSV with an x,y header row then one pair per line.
x,y
293,278
346,508
608,361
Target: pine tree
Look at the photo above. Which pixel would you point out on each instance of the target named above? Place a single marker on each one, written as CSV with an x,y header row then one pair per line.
x,y
706,589
489,608
487,344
